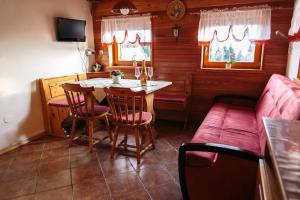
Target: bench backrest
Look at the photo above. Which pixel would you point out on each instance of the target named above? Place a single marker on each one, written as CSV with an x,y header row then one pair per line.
x,y
51,88
280,99
181,85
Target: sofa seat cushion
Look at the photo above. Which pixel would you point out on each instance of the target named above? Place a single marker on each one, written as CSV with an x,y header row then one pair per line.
x,y
228,125
170,98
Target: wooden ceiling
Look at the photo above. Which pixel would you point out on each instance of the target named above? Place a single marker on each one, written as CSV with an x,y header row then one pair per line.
x,y
103,7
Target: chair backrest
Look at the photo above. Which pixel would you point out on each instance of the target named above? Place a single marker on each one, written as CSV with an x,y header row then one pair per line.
x,y
81,99
126,105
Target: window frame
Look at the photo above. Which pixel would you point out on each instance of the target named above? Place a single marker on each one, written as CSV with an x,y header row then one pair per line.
x,y
117,62
256,65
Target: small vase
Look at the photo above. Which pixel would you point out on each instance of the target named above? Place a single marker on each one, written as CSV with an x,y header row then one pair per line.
x,y
116,79
228,65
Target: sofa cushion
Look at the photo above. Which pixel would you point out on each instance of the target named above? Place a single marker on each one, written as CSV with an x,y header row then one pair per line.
x,y
228,125
280,99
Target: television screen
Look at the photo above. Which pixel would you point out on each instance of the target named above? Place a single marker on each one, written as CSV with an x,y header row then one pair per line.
x,y
71,30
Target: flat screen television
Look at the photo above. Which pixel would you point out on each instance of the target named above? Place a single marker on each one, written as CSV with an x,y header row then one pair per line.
x,y
71,30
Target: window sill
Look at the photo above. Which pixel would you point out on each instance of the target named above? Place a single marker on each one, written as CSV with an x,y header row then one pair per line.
x,y
232,69
118,67
222,70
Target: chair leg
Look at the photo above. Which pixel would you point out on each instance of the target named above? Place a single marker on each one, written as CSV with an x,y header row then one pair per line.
x,y
73,130
151,135
90,134
113,148
185,123
137,141
125,138
108,128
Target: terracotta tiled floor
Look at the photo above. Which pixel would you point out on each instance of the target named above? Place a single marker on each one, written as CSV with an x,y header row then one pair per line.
x,y
49,169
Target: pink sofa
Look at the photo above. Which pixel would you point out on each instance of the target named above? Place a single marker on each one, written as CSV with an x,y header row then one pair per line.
x,y
221,160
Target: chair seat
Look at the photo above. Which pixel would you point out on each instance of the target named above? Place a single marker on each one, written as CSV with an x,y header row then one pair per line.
x,y
98,110
146,116
64,102
170,97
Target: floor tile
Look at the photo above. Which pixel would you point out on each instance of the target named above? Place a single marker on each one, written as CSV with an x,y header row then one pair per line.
x,y
149,159
114,167
53,153
124,183
28,157
51,166
165,192
86,172
173,170
91,188
78,149
153,176
31,147
57,143
9,156
26,197
49,169
53,181
17,188
18,171
83,159
138,195
165,157
65,193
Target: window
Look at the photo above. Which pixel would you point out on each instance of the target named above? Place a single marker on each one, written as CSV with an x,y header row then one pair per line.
x,y
128,52
125,53
234,39
241,54
128,38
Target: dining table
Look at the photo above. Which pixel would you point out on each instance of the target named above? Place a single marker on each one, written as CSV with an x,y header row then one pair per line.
x,y
152,86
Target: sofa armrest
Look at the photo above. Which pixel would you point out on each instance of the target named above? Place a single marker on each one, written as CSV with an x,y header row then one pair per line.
x,y
239,100
209,147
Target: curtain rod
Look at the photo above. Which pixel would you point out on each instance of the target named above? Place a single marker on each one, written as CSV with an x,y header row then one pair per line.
x,y
127,16
241,8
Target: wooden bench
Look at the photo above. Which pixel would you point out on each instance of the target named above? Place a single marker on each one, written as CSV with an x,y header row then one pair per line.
x,y
54,103
175,98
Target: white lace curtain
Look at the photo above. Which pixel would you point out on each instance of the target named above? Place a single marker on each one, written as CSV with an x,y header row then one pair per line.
x,y
131,29
254,23
294,32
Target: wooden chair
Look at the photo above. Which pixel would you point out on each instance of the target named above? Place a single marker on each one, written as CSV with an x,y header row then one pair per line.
x,y
85,109
127,109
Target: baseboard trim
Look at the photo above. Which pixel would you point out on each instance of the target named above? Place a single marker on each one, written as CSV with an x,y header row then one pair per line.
x,y
22,142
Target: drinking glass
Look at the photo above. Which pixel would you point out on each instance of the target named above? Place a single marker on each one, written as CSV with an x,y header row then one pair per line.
x,y
137,74
150,74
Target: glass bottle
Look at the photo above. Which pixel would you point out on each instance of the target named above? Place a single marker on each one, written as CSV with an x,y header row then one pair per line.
x,y
144,76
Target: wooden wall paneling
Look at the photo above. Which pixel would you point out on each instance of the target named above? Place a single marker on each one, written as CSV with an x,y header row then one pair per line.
x,y
184,55
103,8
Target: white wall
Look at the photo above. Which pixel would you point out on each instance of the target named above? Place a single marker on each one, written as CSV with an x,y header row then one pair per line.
x,y
29,51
